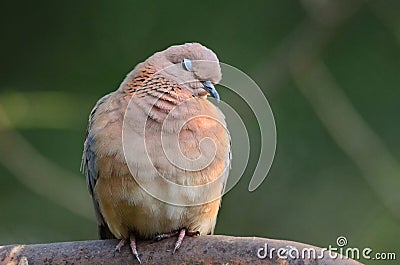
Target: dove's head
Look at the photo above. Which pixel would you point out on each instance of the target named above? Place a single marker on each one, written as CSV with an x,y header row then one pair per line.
x,y
192,66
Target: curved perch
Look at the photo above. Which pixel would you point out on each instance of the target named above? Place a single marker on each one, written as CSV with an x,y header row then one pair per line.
x,y
200,250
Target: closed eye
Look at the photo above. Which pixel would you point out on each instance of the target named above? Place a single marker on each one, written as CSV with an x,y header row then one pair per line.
x,y
187,65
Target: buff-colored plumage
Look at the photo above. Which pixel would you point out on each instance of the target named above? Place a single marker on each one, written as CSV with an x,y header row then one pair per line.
x,y
145,99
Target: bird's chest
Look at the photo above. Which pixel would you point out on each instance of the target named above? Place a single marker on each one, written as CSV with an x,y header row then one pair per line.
x,y
181,152
167,176
180,167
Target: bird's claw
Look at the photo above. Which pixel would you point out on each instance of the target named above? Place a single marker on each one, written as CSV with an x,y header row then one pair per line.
x,y
118,247
122,242
137,258
182,234
133,248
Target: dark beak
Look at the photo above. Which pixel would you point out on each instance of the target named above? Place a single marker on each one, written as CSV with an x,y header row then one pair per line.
x,y
209,87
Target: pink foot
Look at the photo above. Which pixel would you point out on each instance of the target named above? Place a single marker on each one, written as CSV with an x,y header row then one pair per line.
x,y
132,240
133,248
182,234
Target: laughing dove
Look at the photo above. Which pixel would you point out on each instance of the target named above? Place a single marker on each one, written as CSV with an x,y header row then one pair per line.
x,y
157,153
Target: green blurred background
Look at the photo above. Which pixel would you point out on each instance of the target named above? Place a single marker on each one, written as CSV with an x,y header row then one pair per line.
x,y
330,70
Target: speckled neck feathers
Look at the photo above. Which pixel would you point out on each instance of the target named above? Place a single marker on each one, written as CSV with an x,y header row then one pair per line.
x,y
154,94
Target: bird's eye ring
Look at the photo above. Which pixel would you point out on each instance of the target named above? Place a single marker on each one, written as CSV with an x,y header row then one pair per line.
x,y
187,65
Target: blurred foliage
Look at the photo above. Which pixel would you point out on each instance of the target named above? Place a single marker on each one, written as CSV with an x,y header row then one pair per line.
x,y
58,58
